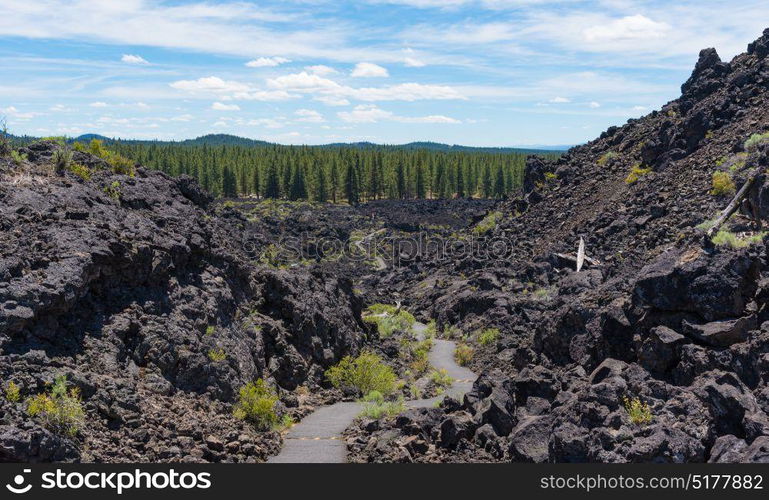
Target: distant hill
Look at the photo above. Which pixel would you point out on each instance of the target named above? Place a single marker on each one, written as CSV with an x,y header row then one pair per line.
x,y
233,140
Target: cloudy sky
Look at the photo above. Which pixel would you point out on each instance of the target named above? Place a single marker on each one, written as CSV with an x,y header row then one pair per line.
x,y
475,72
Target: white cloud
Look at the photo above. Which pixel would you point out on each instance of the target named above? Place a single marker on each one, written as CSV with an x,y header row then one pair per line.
x,y
210,84
267,62
303,80
559,100
413,63
639,108
321,69
98,104
264,95
309,116
218,106
636,27
266,122
369,70
594,104
371,113
406,92
13,112
133,59
330,100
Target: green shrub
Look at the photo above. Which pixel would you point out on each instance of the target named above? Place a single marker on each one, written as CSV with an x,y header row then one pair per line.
x,y
210,330
722,184
113,190
441,378
636,172
418,352
18,158
62,159
12,392
604,159
549,176
256,404
81,171
389,319
638,411
487,224
432,329
366,373
60,411
119,163
755,140
376,407
729,239
488,336
58,139
217,355
463,354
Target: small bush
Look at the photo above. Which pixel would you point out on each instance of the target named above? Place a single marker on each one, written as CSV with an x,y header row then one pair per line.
x,y
389,319
755,140
636,172
18,158
62,159
12,392
722,184
119,163
81,171
488,336
441,378
604,159
210,330
366,373
638,411
729,239
432,329
113,190
376,407
463,354
60,411
549,176
256,404
487,224
217,355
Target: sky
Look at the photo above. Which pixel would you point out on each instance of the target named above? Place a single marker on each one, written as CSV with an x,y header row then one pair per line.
x,y
471,72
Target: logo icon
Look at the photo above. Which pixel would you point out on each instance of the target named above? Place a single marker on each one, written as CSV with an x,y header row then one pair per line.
x,y
18,481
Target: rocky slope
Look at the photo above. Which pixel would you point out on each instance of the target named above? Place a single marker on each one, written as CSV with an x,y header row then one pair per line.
x,y
663,316
127,285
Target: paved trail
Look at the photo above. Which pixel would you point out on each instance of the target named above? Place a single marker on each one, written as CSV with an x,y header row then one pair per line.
x,y
318,437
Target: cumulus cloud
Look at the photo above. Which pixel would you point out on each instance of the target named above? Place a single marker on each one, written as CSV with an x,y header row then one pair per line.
x,y
210,84
371,113
309,116
560,100
98,104
594,104
321,69
413,63
369,70
303,80
133,59
219,106
636,27
330,100
263,62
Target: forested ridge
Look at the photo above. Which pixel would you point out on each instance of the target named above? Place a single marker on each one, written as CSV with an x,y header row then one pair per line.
x,y
334,173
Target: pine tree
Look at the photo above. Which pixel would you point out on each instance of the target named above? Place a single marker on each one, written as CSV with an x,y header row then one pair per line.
x,y
229,183
499,184
460,181
321,189
272,183
420,188
298,186
400,181
351,185
486,183
334,175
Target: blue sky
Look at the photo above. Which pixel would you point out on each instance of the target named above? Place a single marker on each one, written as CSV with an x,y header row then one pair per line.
x,y
474,72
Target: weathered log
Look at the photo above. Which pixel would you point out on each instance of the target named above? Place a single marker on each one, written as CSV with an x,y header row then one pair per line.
x,y
733,205
566,260
580,254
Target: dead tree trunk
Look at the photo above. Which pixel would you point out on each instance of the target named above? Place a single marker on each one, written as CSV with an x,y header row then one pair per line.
x,y
733,205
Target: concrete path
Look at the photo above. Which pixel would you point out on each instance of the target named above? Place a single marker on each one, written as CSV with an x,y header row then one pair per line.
x,y
318,437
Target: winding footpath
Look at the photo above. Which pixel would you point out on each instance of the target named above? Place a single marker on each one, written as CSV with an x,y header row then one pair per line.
x,y
318,437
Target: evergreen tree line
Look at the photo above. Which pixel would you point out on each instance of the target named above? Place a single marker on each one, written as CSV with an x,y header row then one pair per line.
x,y
334,174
